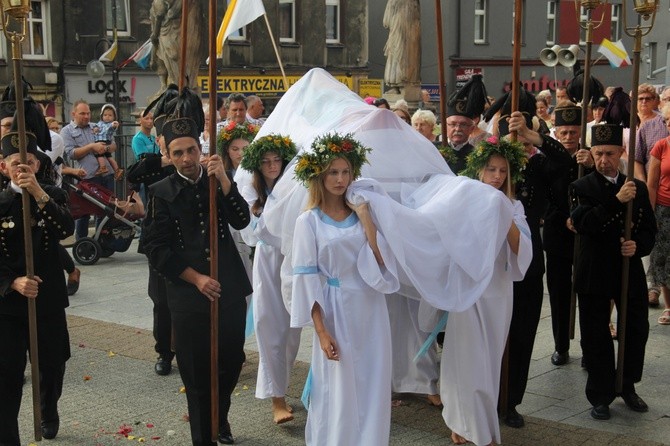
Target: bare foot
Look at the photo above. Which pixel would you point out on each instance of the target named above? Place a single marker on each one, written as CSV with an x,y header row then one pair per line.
x,y
281,412
457,439
434,400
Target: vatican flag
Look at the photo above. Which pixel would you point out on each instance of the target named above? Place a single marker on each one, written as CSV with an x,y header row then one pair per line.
x,y
615,52
110,54
239,14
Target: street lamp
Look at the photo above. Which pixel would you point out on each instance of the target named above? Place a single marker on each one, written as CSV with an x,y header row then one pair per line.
x,y
14,15
588,25
646,10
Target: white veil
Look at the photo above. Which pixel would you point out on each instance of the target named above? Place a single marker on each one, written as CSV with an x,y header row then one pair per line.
x,y
445,230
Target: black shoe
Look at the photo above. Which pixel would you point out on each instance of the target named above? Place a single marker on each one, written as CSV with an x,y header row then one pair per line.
x,y
163,366
50,429
73,282
225,436
559,358
634,402
600,412
513,419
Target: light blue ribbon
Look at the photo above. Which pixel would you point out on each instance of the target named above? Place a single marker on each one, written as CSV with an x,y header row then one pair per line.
x,y
440,326
307,390
249,329
333,281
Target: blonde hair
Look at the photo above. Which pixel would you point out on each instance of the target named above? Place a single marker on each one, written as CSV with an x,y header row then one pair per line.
x,y
316,189
647,88
508,185
426,116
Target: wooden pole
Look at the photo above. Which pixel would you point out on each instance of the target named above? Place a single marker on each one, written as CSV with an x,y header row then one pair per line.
x,y
274,45
27,238
503,400
184,40
580,168
440,71
213,230
623,304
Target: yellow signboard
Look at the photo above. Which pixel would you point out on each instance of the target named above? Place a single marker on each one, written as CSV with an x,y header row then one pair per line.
x,y
259,85
370,87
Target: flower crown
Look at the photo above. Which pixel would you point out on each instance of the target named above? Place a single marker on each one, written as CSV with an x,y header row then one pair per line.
x,y
324,150
253,154
233,130
513,152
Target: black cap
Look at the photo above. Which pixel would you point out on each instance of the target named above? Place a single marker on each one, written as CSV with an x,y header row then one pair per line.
x,y
10,144
469,100
570,115
7,109
606,135
180,128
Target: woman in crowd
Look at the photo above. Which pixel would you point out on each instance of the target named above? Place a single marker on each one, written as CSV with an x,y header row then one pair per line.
x,y
350,399
230,143
475,339
658,183
278,343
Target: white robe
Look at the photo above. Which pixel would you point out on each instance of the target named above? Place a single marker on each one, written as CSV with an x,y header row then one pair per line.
x,y
474,343
407,338
277,342
350,400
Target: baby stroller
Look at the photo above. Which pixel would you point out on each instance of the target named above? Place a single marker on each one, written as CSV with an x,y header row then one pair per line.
x,y
117,228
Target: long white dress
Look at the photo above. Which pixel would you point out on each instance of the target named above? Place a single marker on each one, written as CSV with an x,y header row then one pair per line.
x,y
407,338
278,343
350,400
474,343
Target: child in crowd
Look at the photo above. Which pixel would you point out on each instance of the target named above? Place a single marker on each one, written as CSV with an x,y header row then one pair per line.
x,y
104,132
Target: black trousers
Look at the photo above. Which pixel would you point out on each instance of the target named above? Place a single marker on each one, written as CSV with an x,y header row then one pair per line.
x,y
598,346
65,259
559,285
193,358
14,343
162,317
525,318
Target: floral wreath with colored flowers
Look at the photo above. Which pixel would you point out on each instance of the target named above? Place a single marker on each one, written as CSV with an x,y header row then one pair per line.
x,y
253,154
513,152
324,150
232,131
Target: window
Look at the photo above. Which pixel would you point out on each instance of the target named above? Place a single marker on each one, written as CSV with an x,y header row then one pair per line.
x,y
583,18
480,21
122,14
651,59
287,20
551,23
36,44
615,29
332,21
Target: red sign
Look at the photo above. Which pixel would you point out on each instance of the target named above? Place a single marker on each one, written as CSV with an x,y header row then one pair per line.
x,y
464,74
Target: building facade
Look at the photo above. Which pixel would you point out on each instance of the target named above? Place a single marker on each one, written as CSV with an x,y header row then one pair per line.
x,y
478,38
65,35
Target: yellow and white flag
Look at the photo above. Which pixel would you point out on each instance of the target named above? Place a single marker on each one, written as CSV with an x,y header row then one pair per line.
x,y
110,54
615,52
239,14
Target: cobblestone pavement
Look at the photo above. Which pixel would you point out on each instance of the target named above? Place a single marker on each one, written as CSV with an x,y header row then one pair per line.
x,y
111,389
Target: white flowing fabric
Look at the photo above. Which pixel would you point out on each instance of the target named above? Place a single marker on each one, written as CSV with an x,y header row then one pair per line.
x,y
448,230
350,399
474,342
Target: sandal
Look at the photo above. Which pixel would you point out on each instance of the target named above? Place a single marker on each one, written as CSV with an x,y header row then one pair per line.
x,y
653,298
664,319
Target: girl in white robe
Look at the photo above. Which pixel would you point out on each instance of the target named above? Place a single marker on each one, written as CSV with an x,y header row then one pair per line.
x,y
474,339
278,343
342,269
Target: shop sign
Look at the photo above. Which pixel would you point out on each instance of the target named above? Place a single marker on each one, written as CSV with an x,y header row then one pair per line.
x,y
370,87
258,85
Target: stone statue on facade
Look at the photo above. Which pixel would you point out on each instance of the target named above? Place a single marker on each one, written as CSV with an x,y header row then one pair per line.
x,y
403,48
165,18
